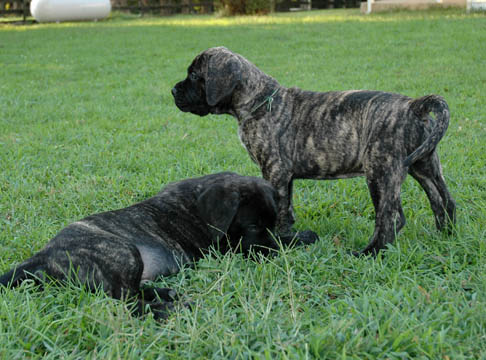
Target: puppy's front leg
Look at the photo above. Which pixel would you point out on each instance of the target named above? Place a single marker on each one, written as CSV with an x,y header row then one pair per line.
x,y
282,182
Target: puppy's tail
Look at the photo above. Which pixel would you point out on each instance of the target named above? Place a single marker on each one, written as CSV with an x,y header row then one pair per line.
x,y
30,269
422,107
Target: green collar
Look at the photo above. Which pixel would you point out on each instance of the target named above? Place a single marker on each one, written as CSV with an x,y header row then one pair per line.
x,y
268,100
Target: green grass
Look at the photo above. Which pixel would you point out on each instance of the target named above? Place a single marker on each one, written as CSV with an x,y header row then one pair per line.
x,y
87,124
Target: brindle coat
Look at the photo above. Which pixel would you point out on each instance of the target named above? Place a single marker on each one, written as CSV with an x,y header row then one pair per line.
x,y
118,250
295,134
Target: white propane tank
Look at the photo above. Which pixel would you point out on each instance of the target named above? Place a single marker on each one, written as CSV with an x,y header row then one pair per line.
x,y
69,10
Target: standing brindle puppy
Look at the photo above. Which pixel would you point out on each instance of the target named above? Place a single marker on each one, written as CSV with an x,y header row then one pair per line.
x,y
295,134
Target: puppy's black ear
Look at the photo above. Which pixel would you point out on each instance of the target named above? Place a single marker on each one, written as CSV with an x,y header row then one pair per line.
x,y
270,198
223,75
217,206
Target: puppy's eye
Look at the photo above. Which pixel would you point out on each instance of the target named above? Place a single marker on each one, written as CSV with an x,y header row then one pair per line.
x,y
193,76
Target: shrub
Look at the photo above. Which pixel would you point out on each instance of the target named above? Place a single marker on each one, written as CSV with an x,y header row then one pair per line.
x,y
244,7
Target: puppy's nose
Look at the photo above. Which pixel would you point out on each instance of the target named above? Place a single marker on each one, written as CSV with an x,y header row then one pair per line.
x,y
174,91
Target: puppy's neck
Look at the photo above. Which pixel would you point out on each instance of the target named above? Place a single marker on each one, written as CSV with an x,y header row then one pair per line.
x,y
257,102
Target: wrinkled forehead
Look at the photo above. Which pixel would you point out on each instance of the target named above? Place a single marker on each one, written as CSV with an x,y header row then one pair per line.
x,y
198,63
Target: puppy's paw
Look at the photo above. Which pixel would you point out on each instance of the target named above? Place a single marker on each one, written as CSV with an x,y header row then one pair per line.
x,y
161,309
166,294
368,252
307,237
150,293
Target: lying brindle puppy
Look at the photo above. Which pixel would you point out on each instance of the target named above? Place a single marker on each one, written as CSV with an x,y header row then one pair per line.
x,y
295,134
119,250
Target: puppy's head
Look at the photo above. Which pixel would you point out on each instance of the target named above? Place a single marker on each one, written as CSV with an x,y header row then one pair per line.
x,y
211,80
240,218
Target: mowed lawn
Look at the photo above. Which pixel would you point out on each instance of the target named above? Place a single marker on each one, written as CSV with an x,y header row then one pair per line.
x,y
88,124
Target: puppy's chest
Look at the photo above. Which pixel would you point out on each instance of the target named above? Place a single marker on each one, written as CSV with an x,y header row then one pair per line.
x,y
255,140
243,140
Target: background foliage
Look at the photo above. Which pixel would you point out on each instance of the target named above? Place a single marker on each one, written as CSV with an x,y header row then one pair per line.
x,y
244,7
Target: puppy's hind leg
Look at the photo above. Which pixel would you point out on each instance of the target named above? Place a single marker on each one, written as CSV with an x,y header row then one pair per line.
x,y
32,268
158,301
428,174
389,216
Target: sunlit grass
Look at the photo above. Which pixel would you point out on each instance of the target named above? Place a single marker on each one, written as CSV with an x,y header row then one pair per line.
x,y
88,124
314,17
